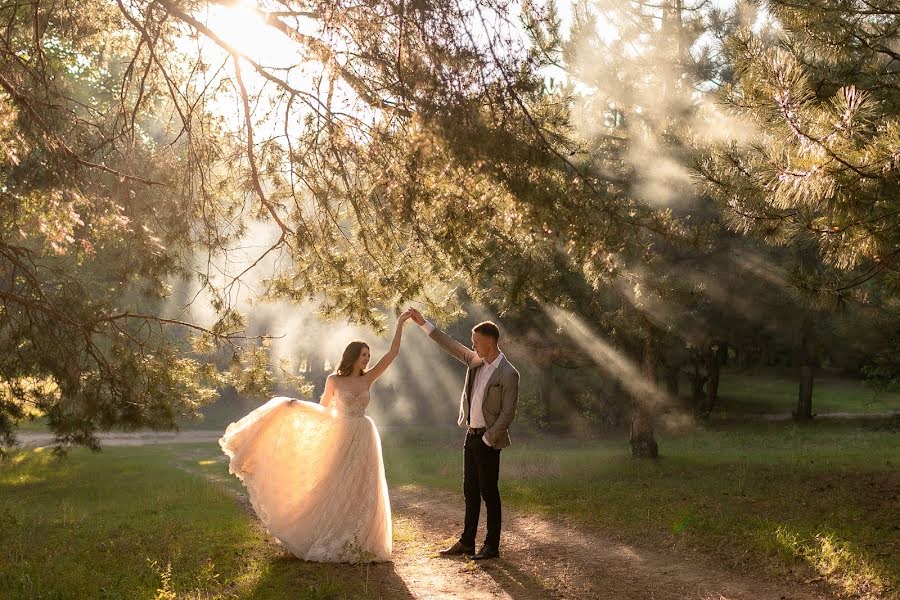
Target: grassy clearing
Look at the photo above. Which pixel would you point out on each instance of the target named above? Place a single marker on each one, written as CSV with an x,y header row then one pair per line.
x,y
162,521
771,392
762,498
126,523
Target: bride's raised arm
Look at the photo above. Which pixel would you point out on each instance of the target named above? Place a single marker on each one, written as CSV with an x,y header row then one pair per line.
x,y
382,365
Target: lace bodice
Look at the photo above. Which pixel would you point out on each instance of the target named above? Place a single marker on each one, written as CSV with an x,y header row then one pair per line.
x,y
350,404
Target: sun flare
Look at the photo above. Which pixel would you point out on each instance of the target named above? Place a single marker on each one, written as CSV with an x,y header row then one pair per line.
x,y
243,28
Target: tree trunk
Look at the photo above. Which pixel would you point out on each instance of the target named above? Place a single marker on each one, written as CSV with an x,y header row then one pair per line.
x,y
803,412
548,379
673,375
722,354
697,383
315,373
711,360
642,440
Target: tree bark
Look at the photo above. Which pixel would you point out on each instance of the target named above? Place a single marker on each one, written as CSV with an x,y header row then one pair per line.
x,y
641,438
803,412
698,380
711,396
722,353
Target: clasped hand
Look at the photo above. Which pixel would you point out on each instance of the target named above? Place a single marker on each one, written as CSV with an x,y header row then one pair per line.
x,y
410,313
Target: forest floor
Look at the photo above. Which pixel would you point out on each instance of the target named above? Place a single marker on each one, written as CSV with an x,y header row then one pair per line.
x,y
544,554
541,558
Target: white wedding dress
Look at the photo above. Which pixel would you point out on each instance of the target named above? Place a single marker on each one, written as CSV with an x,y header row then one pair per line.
x,y
315,476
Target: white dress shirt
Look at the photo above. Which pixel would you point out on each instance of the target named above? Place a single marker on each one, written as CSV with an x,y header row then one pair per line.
x,y
479,387
476,400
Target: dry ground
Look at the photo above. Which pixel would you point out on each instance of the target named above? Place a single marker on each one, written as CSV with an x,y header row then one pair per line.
x,y
551,558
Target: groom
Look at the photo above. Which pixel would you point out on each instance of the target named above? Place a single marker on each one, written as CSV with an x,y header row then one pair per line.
x,y
486,408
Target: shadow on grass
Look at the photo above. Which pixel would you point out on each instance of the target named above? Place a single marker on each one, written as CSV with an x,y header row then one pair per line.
x,y
323,580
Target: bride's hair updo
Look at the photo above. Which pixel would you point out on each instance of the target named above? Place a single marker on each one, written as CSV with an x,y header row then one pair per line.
x,y
351,355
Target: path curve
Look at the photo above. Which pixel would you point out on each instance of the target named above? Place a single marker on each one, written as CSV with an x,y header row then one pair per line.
x,y
552,558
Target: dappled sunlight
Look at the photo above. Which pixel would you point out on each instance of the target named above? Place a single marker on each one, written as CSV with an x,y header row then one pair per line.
x,y
24,479
762,268
429,383
677,421
608,358
26,467
839,561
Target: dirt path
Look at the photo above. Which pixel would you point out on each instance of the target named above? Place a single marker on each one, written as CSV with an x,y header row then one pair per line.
x,y
32,439
540,557
550,558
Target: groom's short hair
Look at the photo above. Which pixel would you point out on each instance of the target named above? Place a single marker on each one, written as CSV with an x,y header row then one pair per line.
x,y
488,328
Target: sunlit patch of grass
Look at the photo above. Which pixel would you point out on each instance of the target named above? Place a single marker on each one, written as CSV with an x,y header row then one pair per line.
x,y
835,559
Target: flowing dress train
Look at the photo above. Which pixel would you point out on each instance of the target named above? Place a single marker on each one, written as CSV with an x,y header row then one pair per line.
x,y
315,477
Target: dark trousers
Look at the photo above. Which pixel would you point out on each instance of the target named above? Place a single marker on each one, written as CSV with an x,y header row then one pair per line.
x,y
481,473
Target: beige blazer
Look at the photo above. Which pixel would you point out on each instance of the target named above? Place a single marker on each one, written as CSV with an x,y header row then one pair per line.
x,y
501,393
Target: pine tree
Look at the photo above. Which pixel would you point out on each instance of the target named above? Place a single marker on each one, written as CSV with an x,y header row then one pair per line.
x,y
425,154
819,90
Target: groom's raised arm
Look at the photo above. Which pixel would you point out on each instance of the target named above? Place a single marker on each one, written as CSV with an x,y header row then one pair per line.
x,y
452,347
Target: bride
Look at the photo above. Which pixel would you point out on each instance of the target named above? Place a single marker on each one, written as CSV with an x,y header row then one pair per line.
x,y
314,472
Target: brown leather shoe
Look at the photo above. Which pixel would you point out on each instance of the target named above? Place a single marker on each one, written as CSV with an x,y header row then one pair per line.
x,y
457,548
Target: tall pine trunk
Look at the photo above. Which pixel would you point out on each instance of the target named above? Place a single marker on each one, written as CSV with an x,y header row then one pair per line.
x,y
807,360
641,438
698,380
315,374
673,376
547,385
711,362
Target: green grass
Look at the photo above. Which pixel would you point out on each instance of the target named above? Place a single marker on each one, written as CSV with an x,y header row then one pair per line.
x,y
128,523
770,392
768,496
160,521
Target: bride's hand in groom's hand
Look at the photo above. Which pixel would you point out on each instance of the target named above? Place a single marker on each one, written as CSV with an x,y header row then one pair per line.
x,y
416,316
404,316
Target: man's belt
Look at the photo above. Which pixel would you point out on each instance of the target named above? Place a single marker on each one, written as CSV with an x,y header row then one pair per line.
x,y
477,430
